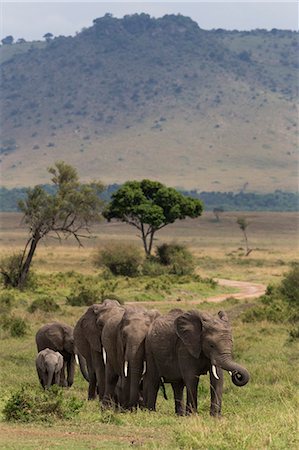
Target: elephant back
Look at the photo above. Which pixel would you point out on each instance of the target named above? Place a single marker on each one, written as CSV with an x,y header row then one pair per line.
x,y
53,336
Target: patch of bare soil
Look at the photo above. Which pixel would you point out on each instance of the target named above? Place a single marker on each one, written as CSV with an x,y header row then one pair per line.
x,y
245,290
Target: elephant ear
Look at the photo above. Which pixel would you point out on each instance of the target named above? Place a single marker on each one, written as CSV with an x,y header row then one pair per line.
x,y
188,327
223,316
153,314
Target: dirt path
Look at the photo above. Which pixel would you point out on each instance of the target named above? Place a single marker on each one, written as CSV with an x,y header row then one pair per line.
x,y
246,290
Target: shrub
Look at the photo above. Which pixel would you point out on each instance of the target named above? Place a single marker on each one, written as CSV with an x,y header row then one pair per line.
x,y
280,303
46,304
6,302
152,267
290,286
16,326
120,258
10,270
177,257
86,296
27,405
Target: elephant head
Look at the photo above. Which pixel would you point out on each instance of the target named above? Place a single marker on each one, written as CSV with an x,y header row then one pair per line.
x,y
203,334
133,329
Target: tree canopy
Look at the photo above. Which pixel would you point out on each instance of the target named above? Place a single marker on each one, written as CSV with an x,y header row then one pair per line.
x,y
149,206
69,211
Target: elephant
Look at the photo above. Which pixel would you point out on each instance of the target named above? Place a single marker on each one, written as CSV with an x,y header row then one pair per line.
x,y
87,336
49,365
59,337
123,340
181,346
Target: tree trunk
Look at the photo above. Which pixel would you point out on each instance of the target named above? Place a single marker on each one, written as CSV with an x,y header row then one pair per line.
x,y
24,270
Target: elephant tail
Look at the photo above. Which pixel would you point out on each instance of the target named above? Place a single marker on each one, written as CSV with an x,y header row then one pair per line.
x,y
83,367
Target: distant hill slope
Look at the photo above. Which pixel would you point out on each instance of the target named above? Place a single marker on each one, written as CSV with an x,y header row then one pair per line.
x,y
159,98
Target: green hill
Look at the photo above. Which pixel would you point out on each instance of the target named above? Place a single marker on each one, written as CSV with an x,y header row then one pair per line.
x,y
159,98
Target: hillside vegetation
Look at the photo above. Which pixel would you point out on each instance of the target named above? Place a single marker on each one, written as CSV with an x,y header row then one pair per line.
x,y
159,98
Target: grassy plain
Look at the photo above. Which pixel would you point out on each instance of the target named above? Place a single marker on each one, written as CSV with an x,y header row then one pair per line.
x,y
261,415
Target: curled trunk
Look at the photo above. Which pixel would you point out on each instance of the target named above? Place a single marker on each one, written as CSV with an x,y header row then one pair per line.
x,y
239,374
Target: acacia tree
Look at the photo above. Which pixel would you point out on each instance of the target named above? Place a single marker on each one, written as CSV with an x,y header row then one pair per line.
x,y
243,224
67,212
149,206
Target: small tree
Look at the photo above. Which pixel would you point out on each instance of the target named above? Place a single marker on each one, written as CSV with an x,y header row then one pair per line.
x,y
67,212
243,224
149,206
217,211
8,40
48,37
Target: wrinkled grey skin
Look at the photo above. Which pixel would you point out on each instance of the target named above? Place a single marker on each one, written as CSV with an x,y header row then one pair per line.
x,y
123,339
49,365
180,347
59,337
87,336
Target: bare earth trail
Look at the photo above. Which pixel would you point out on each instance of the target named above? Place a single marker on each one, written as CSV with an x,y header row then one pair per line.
x,y
246,290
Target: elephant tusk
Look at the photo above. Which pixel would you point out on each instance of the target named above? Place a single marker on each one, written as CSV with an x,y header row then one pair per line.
x,y
126,368
214,371
104,356
230,373
144,368
76,359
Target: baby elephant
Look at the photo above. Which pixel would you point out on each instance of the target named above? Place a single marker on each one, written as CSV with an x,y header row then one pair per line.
x,y
48,366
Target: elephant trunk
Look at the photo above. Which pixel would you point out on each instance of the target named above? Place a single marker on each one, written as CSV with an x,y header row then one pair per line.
x,y
239,374
83,368
50,375
135,356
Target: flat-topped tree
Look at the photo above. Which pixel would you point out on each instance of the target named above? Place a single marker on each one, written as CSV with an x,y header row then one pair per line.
x,y
67,212
150,206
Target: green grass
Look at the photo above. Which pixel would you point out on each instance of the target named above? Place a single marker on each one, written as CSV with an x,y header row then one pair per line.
x,y
261,415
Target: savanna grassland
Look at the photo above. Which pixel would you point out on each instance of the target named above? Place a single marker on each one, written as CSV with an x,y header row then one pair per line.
x,y
261,415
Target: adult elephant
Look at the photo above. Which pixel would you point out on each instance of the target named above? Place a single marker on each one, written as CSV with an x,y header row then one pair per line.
x,y
180,347
58,336
87,336
123,339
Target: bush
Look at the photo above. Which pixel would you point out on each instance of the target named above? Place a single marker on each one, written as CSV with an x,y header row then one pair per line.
x,y
152,267
6,302
86,296
10,270
290,286
120,258
177,257
279,303
16,326
27,405
46,304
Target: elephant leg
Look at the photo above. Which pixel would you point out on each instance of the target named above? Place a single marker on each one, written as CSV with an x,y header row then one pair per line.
x,y
192,385
63,382
70,370
216,388
41,376
150,391
92,384
111,379
57,378
178,389
99,368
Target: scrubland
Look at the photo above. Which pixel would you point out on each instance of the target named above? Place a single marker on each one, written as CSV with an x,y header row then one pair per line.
x,y
261,415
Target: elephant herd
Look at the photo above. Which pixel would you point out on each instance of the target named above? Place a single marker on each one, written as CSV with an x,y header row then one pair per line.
x,y
126,353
